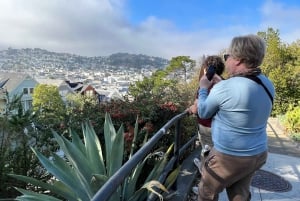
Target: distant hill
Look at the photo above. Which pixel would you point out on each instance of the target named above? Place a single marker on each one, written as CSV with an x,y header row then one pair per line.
x,y
39,58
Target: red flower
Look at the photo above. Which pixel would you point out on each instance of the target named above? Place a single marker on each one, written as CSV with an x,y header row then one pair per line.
x,y
169,106
149,127
128,137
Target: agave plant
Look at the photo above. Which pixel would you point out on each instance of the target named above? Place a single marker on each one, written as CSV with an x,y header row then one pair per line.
x,y
83,170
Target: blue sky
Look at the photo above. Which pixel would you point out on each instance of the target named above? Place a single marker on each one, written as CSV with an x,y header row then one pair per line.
x,y
193,14
164,28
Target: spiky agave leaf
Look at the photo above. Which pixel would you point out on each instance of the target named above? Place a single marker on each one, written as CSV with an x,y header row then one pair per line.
x,y
131,192
133,144
63,172
117,152
32,196
109,137
98,181
172,177
129,188
79,162
138,195
114,146
160,165
93,150
81,173
57,187
76,140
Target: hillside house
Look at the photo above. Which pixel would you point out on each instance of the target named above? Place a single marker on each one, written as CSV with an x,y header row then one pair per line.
x,y
14,84
66,87
63,87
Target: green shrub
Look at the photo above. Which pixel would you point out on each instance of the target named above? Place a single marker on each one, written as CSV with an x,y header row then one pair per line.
x,y
153,114
292,121
16,136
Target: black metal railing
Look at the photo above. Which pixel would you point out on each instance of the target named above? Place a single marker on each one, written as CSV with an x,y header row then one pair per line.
x,y
113,183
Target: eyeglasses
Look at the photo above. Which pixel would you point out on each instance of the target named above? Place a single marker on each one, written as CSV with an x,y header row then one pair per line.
x,y
226,56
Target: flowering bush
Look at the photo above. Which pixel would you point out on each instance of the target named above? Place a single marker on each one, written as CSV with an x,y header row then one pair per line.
x,y
169,106
152,114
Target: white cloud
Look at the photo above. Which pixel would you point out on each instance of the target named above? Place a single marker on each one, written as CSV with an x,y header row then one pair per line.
x,y
100,27
95,28
282,16
86,27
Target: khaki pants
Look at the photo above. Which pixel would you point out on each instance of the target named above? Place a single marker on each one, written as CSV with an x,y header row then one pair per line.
x,y
204,135
231,172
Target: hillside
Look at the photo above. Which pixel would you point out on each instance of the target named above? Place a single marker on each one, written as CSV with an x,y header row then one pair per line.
x,y
29,59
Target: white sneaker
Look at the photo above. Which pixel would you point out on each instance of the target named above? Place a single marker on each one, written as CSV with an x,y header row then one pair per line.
x,y
195,190
197,163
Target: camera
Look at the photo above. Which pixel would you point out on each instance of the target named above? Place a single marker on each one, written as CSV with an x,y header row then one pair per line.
x,y
210,72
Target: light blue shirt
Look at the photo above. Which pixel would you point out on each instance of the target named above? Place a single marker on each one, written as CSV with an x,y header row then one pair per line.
x,y
240,109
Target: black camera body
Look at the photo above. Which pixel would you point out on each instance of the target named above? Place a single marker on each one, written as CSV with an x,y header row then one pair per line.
x,y
210,72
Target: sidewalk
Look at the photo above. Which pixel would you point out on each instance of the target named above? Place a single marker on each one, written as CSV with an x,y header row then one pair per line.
x,y
278,142
281,174
288,170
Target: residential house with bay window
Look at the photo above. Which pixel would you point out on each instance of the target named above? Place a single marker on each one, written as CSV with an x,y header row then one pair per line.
x,y
14,84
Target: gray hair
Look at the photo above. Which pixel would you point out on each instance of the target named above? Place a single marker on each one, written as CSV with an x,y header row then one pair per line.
x,y
249,49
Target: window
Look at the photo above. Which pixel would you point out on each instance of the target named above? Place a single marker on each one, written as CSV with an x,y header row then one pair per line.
x,y
29,104
89,92
25,90
28,90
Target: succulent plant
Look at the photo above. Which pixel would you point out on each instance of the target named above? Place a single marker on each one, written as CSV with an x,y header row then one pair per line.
x,y
83,169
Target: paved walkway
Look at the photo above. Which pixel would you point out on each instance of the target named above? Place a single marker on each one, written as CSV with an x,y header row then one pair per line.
x,y
279,142
283,163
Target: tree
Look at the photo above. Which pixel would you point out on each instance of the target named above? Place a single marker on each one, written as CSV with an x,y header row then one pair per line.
x,y
294,64
163,83
156,85
274,50
181,65
281,65
48,105
83,108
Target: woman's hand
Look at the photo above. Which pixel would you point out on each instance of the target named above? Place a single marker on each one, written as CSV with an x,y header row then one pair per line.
x,y
205,83
193,108
216,79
